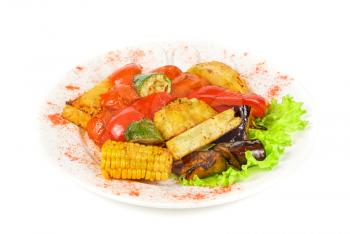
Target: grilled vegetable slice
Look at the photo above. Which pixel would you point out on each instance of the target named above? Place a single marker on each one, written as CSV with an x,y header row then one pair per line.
x,y
96,127
150,104
183,84
234,152
125,160
76,116
222,99
180,115
239,133
203,134
220,74
125,74
201,164
170,71
121,121
118,97
147,84
143,131
89,102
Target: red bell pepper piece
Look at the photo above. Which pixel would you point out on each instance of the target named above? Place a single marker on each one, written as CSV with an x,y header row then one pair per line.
x,y
220,99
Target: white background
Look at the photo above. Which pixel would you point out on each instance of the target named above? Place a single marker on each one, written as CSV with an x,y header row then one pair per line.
x,y
41,40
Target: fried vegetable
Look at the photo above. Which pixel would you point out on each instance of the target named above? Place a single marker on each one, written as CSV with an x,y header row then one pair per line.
x,y
180,115
76,116
220,74
200,163
234,152
239,133
144,132
125,160
147,84
203,134
89,102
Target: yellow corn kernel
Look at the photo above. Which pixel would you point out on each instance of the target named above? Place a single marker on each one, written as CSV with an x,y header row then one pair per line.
x,y
125,160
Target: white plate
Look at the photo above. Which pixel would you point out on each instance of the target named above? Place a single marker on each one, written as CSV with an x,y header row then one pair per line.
x,y
71,150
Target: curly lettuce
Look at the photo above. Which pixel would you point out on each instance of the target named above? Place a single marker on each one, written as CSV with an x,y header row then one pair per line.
x,y
280,121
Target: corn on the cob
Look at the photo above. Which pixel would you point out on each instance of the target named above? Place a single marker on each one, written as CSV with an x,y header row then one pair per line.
x,y
125,160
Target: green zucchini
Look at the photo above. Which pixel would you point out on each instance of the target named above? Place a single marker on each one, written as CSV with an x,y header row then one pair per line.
x,y
146,84
144,132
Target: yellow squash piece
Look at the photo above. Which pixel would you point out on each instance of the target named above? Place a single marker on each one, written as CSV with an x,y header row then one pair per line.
x,y
89,102
76,116
203,134
180,115
80,110
220,74
125,160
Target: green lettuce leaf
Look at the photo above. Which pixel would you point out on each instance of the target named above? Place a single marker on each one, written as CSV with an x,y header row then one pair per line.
x,y
281,120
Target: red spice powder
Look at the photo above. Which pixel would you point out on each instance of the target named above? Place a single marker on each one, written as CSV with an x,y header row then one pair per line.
x,y
198,196
56,119
105,185
71,87
260,68
274,91
80,68
221,190
70,156
136,55
112,57
283,77
191,196
134,192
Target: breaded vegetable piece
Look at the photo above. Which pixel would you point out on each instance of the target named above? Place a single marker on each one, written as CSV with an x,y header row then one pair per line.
x,y
203,134
76,116
220,74
180,115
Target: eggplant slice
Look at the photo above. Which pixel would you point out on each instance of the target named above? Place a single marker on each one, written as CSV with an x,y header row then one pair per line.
x,y
239,133
230,150
234,152
200,163
207,163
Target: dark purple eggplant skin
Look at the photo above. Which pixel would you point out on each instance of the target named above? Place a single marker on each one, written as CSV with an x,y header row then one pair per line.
x,y
234,152
239,133
200,163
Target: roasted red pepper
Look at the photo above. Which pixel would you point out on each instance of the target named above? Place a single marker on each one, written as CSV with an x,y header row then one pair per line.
x,y
118,123
220,99
152,103
118,97
183,84
125,74
170,71
96,127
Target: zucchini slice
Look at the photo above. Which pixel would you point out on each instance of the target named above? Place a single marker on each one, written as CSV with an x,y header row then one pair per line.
x,y
146,84
144,132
